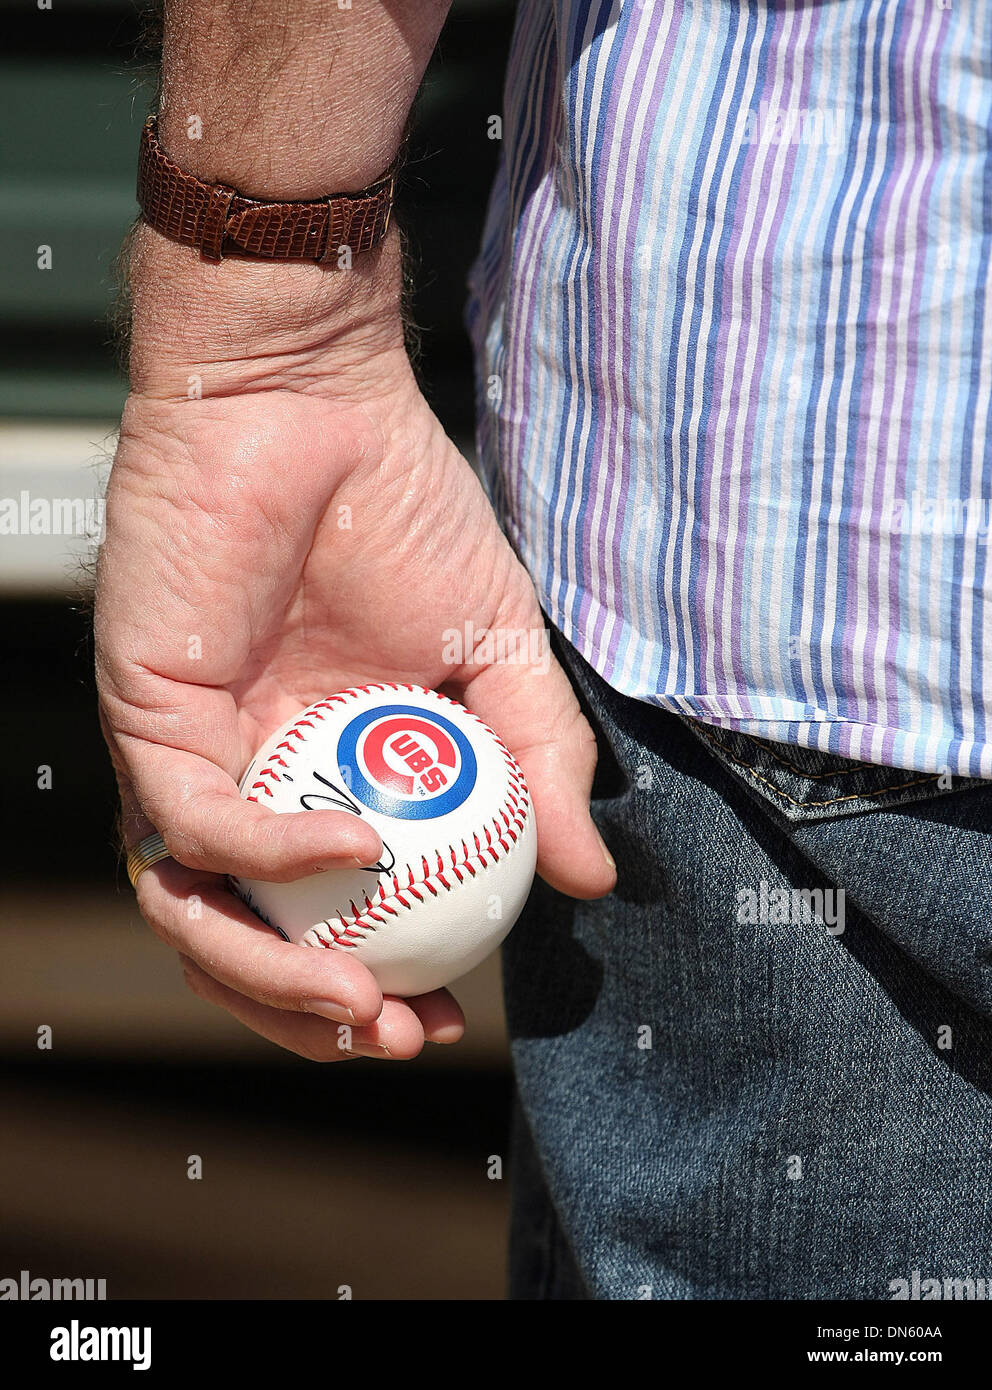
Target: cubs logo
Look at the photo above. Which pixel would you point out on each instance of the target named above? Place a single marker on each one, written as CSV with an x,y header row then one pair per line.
x,y
402,761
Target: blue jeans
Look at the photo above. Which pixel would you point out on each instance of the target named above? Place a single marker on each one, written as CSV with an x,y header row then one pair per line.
x,y
761,1068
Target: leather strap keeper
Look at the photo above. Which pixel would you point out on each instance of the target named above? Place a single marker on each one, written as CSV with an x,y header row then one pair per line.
x,y
219,221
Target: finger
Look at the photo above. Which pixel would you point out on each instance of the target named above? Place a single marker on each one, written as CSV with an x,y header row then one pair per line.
x,y
206,824
202,919
533,708
440,1015
397,1034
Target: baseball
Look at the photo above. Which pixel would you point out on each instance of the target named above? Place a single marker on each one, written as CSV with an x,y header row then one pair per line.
x,y
451,806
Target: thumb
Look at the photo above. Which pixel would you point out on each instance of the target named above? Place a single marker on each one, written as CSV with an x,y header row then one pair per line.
x,y
533,708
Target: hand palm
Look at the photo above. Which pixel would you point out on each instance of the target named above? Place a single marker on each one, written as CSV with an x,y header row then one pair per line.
x,y
367,604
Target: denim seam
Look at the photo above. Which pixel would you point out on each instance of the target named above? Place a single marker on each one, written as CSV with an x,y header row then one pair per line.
x,y
811,776
834,800
800,772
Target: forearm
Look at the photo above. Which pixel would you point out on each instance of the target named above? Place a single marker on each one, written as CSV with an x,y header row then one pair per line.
x,y
294,100
281,101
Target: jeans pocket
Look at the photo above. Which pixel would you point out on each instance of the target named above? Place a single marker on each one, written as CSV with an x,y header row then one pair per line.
x,y
803,784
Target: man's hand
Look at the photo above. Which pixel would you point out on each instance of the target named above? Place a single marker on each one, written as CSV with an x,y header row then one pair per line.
x,y
305,527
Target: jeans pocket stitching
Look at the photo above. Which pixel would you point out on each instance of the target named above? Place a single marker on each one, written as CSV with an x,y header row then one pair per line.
x,y
832,801
811,776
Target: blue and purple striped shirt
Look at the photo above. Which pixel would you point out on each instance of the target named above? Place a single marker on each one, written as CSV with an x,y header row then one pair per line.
x,y
732,316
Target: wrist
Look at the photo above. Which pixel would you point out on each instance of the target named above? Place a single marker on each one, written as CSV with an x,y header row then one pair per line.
x,y
287,160
255,322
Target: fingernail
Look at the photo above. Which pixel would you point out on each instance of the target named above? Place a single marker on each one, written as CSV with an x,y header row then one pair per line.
x,y
340,1013
444,1037
606,853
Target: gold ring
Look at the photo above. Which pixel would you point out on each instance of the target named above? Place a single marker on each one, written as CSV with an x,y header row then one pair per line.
x,y
144,854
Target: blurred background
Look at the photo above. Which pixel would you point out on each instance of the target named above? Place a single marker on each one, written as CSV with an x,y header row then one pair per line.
x,y
370,1175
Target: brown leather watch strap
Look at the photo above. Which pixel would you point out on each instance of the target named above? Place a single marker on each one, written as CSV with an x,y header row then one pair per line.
x,y
220,221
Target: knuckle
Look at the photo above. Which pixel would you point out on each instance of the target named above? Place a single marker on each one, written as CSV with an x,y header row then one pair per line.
x,y
163,927
261,844
183,847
